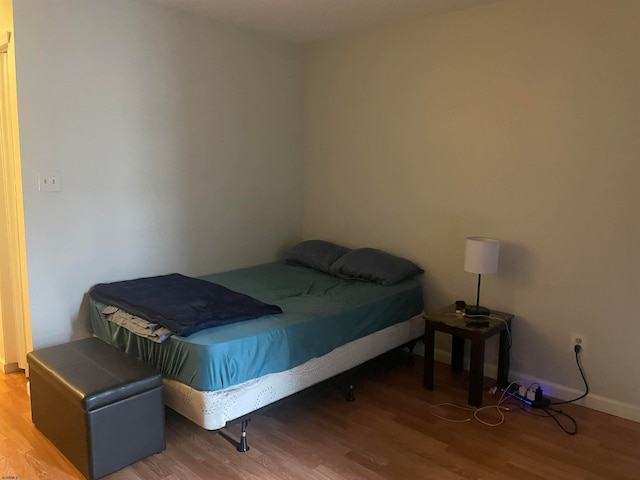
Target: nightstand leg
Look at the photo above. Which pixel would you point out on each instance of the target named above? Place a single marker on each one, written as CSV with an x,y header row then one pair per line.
x,y
476,371
503,360
429,347
457,353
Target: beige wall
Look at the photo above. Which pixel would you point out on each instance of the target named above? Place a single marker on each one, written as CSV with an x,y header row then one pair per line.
x,y
178,141
518,120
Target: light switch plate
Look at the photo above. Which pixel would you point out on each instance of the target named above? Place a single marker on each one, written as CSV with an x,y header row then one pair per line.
x,y
49,181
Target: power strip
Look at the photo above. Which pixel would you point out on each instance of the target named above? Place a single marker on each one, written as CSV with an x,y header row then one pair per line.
x,y
533,398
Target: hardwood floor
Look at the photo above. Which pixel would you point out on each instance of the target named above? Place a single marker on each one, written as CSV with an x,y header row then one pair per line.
x,y
389,432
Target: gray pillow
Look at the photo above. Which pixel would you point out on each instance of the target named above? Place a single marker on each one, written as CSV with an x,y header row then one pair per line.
x,y
316,254
375,266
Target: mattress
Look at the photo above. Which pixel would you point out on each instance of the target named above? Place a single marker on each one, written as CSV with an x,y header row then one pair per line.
x,y
320,314
214,410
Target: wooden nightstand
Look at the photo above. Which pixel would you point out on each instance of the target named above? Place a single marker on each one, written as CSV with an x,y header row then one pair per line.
x,y
445,320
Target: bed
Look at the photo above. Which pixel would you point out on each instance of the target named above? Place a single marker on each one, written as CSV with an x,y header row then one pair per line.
x,y
331,321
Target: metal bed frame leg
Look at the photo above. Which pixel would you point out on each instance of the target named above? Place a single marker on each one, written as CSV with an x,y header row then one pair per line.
x,y
243,446
350,396
411,345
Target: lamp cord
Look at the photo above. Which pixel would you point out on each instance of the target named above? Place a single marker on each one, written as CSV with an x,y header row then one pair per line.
x,y
584,379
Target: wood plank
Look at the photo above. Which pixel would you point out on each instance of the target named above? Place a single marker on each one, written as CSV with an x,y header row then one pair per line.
x,y
387,433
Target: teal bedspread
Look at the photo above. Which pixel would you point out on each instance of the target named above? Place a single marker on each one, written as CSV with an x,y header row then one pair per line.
x,y
320,313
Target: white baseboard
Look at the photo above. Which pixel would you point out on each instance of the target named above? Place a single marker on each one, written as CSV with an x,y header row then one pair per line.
x,y
561,392
9,367
595,402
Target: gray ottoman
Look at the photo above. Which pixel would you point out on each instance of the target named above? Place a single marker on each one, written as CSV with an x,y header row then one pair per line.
x,y
100,407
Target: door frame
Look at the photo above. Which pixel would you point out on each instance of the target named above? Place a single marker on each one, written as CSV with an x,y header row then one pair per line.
x,y
16,322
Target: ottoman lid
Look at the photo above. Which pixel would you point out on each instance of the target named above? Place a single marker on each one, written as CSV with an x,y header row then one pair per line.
x,y
96,373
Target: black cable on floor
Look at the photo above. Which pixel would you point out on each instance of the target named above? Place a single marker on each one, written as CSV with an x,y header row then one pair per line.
x,y
555,419
547,414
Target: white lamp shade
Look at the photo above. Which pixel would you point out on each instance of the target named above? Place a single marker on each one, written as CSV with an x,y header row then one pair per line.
x,y
481,255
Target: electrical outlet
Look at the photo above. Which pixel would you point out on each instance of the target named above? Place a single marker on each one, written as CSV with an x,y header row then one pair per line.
x,y
577,339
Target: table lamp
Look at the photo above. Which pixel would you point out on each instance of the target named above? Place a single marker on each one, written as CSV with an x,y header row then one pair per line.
x,y
481,257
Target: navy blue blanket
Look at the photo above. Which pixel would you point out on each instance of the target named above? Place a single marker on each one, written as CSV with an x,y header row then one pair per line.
x,y
182,304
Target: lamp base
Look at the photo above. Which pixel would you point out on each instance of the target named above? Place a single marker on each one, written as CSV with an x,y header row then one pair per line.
x,y
472,310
